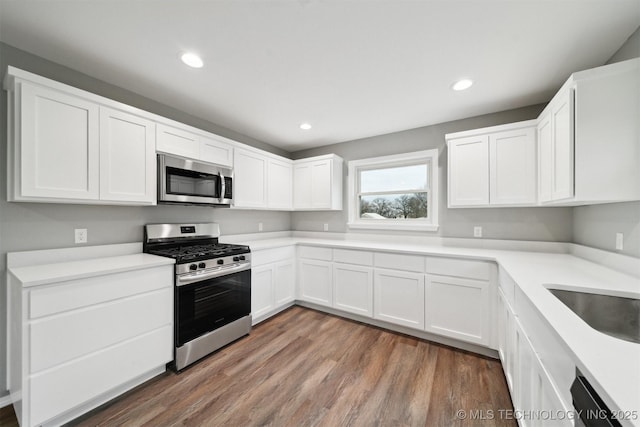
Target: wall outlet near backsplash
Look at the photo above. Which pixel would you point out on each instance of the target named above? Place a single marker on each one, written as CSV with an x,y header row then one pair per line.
x,y
619,241
80,235
260,227
477,231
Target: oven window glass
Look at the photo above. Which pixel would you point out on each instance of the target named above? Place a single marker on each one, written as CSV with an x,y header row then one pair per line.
x,y
192,183
204,306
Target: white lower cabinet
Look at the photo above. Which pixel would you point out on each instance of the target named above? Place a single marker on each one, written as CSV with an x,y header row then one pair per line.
x,y
458,308
95,337
272,282
285,285
316,281
353,288
533,392
399,297
262,291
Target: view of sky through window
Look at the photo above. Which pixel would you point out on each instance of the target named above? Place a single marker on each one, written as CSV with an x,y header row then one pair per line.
x,y
403,178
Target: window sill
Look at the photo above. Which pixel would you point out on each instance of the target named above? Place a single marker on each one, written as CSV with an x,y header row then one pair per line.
x,y
392,226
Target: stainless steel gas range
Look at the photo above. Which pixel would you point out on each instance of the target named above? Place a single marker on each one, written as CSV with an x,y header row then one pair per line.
x,y
212,287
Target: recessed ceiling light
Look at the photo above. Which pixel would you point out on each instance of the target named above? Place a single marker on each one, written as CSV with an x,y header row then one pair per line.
x,y
462,84
305,126
192,60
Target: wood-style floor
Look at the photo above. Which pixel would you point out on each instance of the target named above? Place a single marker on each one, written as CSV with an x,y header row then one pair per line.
x,y
306,368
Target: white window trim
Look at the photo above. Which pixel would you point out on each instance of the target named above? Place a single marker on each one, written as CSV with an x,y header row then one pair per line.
x,y
355,222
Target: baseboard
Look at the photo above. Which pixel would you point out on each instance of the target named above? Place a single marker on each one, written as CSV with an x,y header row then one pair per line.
x,y
5,401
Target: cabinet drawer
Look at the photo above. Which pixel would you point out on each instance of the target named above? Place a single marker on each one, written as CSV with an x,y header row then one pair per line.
x,y
268,256
313,252
399,261
73,334
508,285
471,269
349,256
98,373
94,290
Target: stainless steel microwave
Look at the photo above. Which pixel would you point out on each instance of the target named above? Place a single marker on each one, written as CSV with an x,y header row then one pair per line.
x,y
190,182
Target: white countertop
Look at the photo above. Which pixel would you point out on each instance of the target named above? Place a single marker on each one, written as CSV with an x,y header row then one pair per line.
x,y
610,364
42,274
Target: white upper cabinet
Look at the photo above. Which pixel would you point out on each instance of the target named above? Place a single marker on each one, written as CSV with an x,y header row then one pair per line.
x,y
261,180
555,133
493,166
581,150
66,145
469,171
317,183
176,141
214,150
181,141
250,179
127,157
595,135
280,184
512,171
55,145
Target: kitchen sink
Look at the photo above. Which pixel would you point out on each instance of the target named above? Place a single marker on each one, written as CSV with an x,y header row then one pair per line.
x,y
616,316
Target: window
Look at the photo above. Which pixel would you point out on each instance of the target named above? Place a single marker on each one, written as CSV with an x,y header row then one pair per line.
x,y
397,192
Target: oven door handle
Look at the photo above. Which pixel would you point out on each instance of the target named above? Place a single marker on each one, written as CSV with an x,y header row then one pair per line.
x,y
198,277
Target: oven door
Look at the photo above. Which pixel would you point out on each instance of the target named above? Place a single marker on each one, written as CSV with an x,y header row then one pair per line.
x,y
205,305
190,182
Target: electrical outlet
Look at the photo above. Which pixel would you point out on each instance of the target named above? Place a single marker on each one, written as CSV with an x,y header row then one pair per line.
x,y
260,226
81,235
619,241
477,231
326,227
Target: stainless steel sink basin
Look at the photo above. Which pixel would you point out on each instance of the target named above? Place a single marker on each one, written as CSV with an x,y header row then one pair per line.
x,y
612,315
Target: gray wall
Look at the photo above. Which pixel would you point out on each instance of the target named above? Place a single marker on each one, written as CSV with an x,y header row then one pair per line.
x,y
597,225
542,224
31,226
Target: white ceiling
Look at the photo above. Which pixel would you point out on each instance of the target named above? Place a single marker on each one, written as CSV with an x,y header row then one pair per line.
x,y
350,68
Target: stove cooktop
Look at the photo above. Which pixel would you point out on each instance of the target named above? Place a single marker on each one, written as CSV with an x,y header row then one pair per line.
x,y
188,253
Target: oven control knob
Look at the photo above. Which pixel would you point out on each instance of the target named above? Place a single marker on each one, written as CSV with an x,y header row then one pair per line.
x,y
220,261
242,258
193,267
202,265
235,258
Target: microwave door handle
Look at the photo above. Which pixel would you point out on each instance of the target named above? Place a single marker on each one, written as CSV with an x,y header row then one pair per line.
x,y
222,186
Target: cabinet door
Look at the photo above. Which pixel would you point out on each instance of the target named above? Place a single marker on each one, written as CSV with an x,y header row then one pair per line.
x,y
316,282
510,351
525,386
469,171
502,327
214,151
512,160
285,290
458,308
321,184
399,298
250,179
280,184
353,289
562,131
177,141
127,157
302,186
262,291
545,159
59,155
